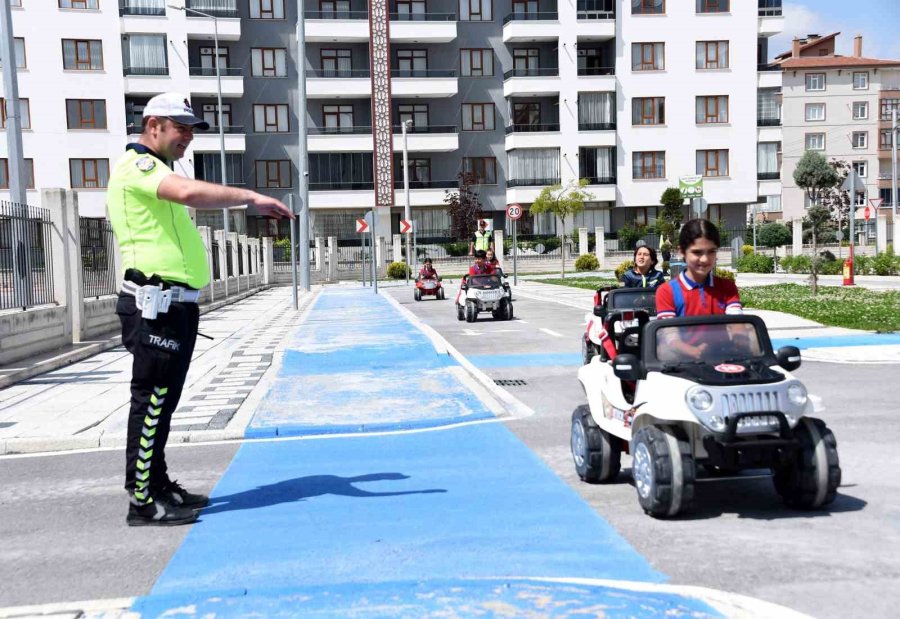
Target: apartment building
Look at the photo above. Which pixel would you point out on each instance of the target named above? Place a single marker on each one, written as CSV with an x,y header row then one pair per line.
x,y
630,94
840,106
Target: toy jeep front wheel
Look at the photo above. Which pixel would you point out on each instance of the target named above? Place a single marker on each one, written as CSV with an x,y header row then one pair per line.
x,y
460,312
471,311
663,470
810,478
588,351
597,453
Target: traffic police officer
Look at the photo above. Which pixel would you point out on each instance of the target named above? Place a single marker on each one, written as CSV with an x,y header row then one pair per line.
x,y
482,239
165,267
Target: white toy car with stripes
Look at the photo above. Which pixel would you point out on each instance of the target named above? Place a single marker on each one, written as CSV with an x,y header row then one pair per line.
x,y
483,293
708,391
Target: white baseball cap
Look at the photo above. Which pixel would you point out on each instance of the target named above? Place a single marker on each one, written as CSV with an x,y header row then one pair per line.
x,y
176,106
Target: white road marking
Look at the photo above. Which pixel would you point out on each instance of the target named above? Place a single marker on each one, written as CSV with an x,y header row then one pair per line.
x,y
489,331
549,332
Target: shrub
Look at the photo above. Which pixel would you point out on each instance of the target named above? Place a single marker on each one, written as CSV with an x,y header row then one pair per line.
x,y
620,270
834,267
587,262
787,263
801,264
862,265
885,263
724,274
283,242
460,248
756,263
398,270
746,250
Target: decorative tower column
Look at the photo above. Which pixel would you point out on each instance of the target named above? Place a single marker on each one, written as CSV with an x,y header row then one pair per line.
x,y
382,127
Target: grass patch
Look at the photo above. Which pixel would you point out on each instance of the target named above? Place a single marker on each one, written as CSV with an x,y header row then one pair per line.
x,y
835,306
853,308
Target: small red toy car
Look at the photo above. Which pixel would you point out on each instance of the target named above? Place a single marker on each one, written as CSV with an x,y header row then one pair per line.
x,y
428,287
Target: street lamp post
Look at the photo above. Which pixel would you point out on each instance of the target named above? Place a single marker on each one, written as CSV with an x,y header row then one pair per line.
x,y
404,126
227,225
895,133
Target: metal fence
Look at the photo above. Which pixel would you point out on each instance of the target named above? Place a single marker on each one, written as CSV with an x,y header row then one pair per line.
x,y
216,269
281,257
26,274
228,259
98,269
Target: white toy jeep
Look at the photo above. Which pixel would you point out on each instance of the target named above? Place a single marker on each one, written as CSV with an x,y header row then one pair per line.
x,y
482,293
705,390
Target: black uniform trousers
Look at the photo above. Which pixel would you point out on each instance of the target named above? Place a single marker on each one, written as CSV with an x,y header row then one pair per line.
x,y
162,350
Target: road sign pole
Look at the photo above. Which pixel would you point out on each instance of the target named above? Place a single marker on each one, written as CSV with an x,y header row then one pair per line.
x,y
515,254
362,243
849,281
291,223
374,256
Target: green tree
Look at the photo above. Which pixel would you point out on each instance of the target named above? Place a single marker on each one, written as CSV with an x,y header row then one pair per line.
x,y
464,207
774,235
834,198
818,219
671,215
563,202
815,175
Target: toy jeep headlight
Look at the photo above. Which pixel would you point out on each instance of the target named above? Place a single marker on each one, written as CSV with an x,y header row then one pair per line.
x,y
797,394
699,399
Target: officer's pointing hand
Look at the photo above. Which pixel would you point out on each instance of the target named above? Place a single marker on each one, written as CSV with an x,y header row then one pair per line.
x,y
271,207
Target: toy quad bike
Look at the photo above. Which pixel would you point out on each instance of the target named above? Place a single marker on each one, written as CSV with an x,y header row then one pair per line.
x,y
428,287
482,293
705,390
613,299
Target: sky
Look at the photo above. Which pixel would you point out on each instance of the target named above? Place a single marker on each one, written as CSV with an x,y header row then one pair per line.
x,y
877,20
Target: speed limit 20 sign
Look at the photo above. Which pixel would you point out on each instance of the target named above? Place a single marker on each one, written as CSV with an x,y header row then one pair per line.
x,y
514,211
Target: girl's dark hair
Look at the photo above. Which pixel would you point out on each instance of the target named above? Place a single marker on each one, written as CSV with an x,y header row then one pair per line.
x,y
653,260
698,229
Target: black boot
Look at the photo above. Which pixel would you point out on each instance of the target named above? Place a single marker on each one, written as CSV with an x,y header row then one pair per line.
x,y
158,513
173,493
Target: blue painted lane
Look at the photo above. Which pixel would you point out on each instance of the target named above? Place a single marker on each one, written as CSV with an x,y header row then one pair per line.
x,y
468,502
839,341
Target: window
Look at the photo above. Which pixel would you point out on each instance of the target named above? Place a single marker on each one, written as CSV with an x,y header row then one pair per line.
x,y
712,110
815,112
271,118
410,10
146,54
860,110
211,115
815,81
712,55
478,117
24,113
337,118
712,162
417,113
884,139
20,53
648,111
340,171
596,111
861,168
532,166
208,167
526,60
713,6
79,4
860,80
86,113
594,61
648,164
266,9
411,62
82,55
476,62
815,141
648,56
483,168
268,62
335,62
526,113
207,54
4,173
648,7
476,10
860,139
419,172
768,160
273,174
597,164
888,105
89,173
768,109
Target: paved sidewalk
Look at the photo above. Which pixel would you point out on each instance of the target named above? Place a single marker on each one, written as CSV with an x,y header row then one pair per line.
x,y
816,341
85,404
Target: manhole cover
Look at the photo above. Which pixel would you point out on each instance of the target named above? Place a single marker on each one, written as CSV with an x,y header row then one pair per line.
x,y
510,382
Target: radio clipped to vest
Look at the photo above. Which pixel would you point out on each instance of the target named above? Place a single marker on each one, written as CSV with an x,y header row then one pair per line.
x,y
152,301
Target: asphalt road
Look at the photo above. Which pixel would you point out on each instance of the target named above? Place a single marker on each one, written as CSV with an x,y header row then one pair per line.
x,y
840,562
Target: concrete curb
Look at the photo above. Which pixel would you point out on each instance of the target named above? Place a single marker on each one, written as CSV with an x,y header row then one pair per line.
x,y
89,350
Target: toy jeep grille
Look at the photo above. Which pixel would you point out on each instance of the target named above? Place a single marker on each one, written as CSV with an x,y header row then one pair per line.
x,y
490,295
750,402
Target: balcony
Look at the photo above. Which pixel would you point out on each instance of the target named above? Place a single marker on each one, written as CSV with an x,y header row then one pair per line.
x,y
147,81
768,176
147,9
597,126
431,138
423,28
216,8
340,26
531,82
530,136
342,195
531,182
228,22
422,193
768,122
426,83
209,140
771,20
597,79
596,20
529,27
343,84
523,192
203,81
768,78
601,188
356,139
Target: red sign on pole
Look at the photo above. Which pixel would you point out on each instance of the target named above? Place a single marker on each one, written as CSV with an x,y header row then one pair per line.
x,y
361,225
514,211
874,205
405,226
